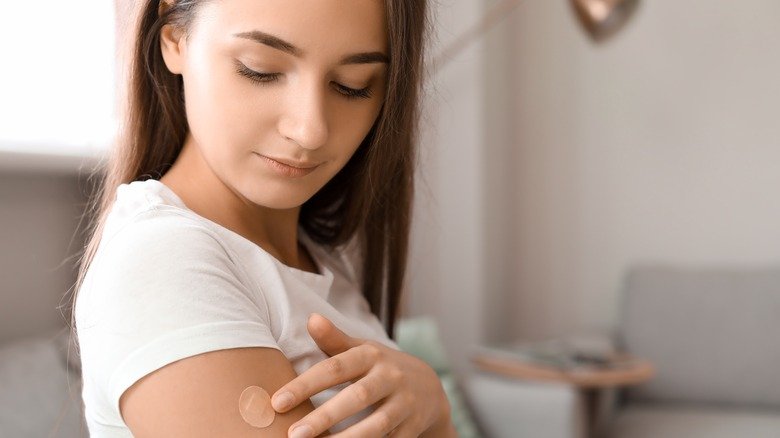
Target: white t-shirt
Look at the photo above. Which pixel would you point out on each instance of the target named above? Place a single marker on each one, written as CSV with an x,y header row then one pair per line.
x,y
166,284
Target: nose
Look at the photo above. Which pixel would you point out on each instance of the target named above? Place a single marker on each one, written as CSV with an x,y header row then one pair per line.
x,y
305,120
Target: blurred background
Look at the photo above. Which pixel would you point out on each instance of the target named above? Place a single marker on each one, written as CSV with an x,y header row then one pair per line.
x,y
619,190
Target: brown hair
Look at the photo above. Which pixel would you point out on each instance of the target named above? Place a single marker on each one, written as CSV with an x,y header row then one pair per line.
x,y
370,199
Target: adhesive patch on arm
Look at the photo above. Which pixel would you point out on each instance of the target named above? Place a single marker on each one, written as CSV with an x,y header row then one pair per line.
x,y
255,407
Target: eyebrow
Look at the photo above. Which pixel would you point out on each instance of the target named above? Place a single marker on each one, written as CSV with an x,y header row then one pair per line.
x,y
287,47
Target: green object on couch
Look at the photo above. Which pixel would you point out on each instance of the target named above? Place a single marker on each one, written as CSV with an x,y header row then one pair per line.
x,y
420,338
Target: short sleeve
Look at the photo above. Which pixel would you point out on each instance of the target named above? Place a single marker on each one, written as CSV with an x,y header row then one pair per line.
x,y
161,289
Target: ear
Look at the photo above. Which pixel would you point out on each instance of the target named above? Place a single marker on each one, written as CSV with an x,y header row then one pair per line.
x,y
173,46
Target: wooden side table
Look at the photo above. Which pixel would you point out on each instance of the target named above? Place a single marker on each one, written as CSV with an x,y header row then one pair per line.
x,y
591,382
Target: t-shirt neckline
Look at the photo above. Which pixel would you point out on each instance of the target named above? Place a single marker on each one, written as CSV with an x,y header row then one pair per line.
x,y
323,279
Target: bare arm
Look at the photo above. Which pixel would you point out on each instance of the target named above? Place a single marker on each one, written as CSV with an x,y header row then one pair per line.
x,y
198,396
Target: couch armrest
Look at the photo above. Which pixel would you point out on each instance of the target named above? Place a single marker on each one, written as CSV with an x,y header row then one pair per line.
x,y
509,408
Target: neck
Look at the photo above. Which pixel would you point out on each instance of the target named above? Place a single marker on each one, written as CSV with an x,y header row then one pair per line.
x,y
202,191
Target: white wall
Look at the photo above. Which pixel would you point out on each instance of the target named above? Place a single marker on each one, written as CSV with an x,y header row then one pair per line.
x,y
39,213
661,145
551,164
446,262
459,271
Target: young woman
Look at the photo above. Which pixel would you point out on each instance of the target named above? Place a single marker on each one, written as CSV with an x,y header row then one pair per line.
x,y
263,143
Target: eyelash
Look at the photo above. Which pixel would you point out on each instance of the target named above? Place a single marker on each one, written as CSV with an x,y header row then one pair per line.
x,y
265,78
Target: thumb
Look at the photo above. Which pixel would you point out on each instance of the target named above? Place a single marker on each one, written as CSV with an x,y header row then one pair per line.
x,y
328,337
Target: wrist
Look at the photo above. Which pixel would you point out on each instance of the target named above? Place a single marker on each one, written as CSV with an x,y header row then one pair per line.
x,y
443,427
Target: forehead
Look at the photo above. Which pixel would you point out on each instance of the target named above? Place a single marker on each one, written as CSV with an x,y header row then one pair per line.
x,y
316,26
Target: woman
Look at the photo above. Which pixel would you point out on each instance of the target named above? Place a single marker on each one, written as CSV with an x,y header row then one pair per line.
x,y
263,141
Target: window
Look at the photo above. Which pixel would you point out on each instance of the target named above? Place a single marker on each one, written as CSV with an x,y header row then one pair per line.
x,y
57,81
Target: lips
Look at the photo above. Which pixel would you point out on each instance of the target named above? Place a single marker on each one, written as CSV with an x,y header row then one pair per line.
x,y
288,168
297,165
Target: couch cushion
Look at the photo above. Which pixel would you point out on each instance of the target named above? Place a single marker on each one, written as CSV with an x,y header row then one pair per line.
x,y
510,408
712,333
670,421
39,397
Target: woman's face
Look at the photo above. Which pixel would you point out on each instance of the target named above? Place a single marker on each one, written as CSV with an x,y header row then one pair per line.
x,y
297,80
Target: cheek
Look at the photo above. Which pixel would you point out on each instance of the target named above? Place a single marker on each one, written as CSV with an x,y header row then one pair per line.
x,y
223,117
355,126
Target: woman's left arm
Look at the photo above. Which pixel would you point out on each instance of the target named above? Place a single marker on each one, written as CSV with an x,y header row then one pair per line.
x,y
407,394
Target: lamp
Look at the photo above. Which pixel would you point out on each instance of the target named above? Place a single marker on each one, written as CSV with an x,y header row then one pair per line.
x,y
602,18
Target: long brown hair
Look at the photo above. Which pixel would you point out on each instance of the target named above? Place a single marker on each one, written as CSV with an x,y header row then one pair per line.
x,y
369,200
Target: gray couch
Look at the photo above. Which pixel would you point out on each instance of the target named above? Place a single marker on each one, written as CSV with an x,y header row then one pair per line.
x,y
714,337
40,391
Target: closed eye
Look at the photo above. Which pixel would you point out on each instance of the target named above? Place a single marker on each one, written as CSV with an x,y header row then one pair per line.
x,y
261,78
362,93
255,76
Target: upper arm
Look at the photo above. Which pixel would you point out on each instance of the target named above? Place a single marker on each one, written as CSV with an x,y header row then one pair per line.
x,y
173,332
198,396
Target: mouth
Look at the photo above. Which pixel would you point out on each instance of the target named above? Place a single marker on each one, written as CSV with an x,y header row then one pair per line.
x,y
288,168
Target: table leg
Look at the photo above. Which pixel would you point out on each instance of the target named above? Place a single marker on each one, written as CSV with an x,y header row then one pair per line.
x,y
593,401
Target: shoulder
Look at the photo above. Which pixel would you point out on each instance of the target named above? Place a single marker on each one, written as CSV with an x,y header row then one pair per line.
x,y
155,237
148,207
168,265
157,255
145,213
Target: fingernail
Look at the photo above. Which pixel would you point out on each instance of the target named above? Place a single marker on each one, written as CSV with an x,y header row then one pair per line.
x,y
304,431
282,401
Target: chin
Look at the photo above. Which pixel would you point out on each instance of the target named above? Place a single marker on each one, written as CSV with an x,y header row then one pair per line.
x,y
277,198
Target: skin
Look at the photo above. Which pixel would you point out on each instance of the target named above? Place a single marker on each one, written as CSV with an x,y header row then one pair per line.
x,y
302,115
406,392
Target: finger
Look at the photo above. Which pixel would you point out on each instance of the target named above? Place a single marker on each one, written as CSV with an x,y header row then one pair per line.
x,y
381,422
351,400
407,429
330,372
329,338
